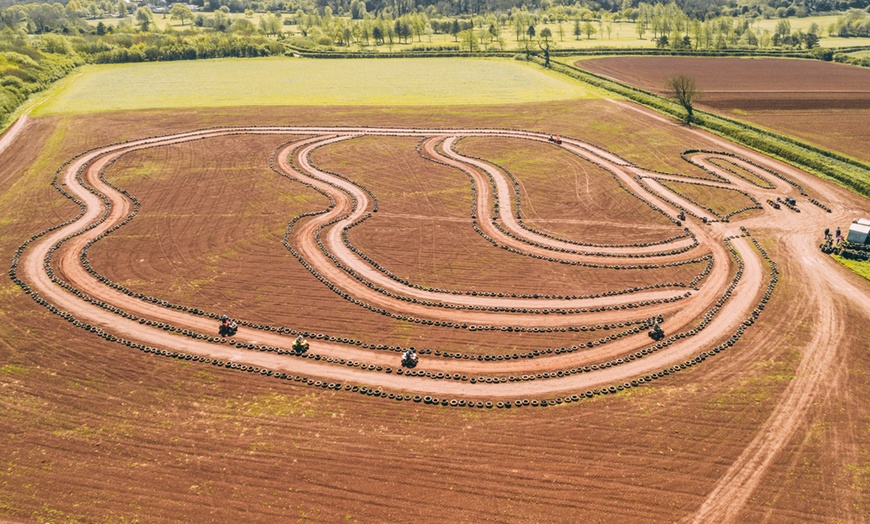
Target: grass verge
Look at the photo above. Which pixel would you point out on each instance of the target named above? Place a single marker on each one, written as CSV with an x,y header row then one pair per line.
x,y
862,268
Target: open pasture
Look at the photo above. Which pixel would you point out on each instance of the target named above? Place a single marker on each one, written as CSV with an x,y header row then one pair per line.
x,y
527,274
823,103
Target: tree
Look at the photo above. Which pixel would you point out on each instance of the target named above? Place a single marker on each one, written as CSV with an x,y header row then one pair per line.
x,y
357,9
545,47
221,21
180,12
455,29
243,26
546,34
271,24
531,31
811,40
683,90
469,40
144,17
589,29
378,34
783,28
640,27
577,30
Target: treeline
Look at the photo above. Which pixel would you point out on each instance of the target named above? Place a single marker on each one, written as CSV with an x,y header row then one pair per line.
x,y
29,64
28,67
356,9
666,24
700,9
153,47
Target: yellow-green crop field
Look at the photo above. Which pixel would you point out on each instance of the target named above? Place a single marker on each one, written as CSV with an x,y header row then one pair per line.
x,y
305,82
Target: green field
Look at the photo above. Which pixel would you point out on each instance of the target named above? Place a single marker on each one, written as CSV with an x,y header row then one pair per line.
x,y
289,81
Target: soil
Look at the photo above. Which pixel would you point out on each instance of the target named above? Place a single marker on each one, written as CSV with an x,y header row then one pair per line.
x,y
824,103
771,426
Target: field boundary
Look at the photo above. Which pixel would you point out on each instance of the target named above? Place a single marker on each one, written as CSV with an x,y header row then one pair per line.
x,y
597,51
846,171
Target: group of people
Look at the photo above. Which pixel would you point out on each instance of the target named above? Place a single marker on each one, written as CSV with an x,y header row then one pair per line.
x,y
838,237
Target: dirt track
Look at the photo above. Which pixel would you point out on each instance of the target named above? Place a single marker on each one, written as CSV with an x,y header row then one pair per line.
x,y
319,242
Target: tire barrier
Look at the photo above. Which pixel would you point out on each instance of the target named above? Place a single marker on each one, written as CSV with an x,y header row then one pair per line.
x,y
53,242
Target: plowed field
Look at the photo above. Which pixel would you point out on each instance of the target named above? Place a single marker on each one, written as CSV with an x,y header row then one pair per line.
x,y
822,103
526,274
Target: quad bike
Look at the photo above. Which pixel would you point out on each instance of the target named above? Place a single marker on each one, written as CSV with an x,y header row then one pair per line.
x,y
300,345
409,359
555,139
228,328
656,333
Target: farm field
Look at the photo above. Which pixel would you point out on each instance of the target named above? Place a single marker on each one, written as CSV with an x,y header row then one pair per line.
x,y
525,272
302,82
823,103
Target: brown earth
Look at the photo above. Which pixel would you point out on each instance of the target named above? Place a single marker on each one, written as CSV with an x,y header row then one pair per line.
x,y
773,428
824,103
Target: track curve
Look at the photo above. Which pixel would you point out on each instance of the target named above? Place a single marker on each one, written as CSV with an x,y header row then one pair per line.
x,y
702,317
